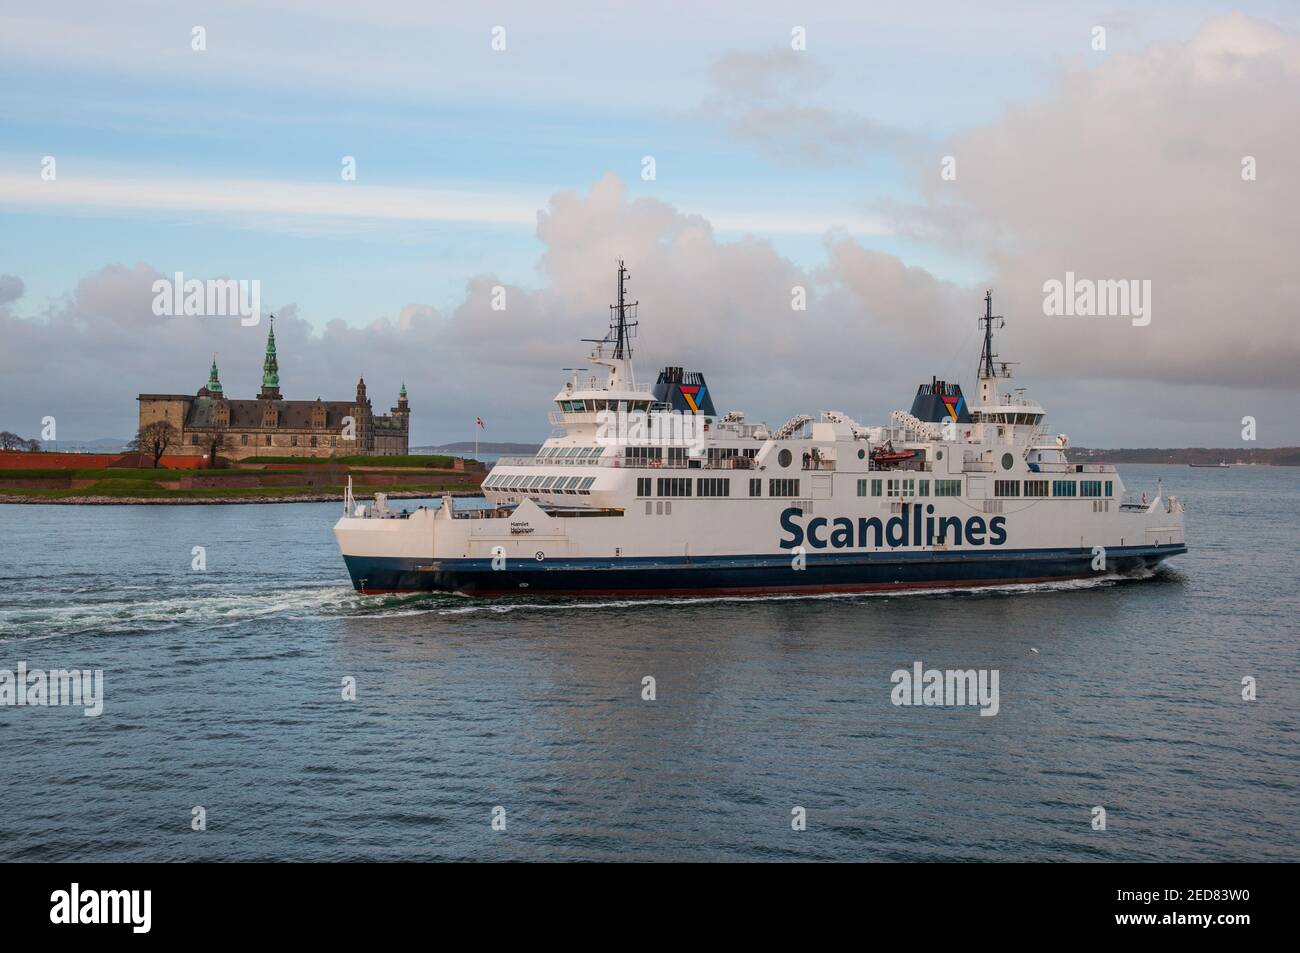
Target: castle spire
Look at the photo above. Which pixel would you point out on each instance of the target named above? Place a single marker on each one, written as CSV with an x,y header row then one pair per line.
x,y
270,367
214,383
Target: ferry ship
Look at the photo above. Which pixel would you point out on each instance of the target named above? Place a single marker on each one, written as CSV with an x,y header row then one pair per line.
x,y
644,489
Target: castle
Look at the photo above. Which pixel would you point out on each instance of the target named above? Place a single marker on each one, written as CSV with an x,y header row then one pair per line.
x,y
273,427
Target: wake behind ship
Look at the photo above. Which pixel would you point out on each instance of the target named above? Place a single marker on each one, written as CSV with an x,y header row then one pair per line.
x,y
643,489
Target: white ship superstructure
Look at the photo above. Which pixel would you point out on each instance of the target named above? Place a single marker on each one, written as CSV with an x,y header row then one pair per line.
x,y
643,489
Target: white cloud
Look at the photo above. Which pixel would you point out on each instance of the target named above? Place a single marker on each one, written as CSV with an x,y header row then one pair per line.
x,y
874,328
1133,170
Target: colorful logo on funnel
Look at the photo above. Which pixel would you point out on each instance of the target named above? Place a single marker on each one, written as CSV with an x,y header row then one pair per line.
x,y
954,405
693,394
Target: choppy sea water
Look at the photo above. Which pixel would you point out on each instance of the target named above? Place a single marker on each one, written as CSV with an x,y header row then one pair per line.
x,y
223,689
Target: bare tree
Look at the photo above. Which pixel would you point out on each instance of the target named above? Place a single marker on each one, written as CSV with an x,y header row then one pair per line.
x,y
34,446
216,440
11,441
155,439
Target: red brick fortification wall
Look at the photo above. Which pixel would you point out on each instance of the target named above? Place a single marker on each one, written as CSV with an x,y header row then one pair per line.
x,y
21,460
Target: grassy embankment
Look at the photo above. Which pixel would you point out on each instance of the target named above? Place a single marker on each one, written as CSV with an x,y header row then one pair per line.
x,y
136,484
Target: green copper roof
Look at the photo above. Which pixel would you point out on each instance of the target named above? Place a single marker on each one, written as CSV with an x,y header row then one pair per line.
x,y
214,385
402,392
270,369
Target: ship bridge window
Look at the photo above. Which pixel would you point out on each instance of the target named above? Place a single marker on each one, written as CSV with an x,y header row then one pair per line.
x,y
1063,488
1090,488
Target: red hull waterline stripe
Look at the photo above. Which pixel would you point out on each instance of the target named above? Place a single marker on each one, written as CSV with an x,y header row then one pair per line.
x,y
828,589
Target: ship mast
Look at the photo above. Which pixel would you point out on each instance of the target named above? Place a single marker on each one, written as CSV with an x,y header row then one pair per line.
x,y
619,317
622,328
987,357
989,370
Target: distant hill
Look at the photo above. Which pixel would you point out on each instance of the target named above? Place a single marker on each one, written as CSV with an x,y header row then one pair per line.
x,y
1274,456
100,445
467,446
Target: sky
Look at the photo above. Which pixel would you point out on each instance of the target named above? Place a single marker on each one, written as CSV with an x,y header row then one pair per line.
x,y
894,163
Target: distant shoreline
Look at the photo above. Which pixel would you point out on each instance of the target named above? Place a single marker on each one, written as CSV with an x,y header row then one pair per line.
x,y
1261,456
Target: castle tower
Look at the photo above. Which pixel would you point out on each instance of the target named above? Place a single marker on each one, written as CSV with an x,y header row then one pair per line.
x,y
402,418
270,368
214,383
361,415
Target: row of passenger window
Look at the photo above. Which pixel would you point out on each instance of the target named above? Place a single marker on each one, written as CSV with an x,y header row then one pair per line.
x,y
710,486
908,486
1063,488
569,453
523,483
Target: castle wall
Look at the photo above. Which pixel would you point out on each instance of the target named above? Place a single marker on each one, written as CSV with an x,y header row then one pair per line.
x,y
173,408
250,444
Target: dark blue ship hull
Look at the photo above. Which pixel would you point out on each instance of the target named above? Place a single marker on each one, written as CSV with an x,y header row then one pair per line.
x,y
743,575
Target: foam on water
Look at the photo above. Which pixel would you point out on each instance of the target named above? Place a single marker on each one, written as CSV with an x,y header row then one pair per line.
x,y
124,614
123,611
